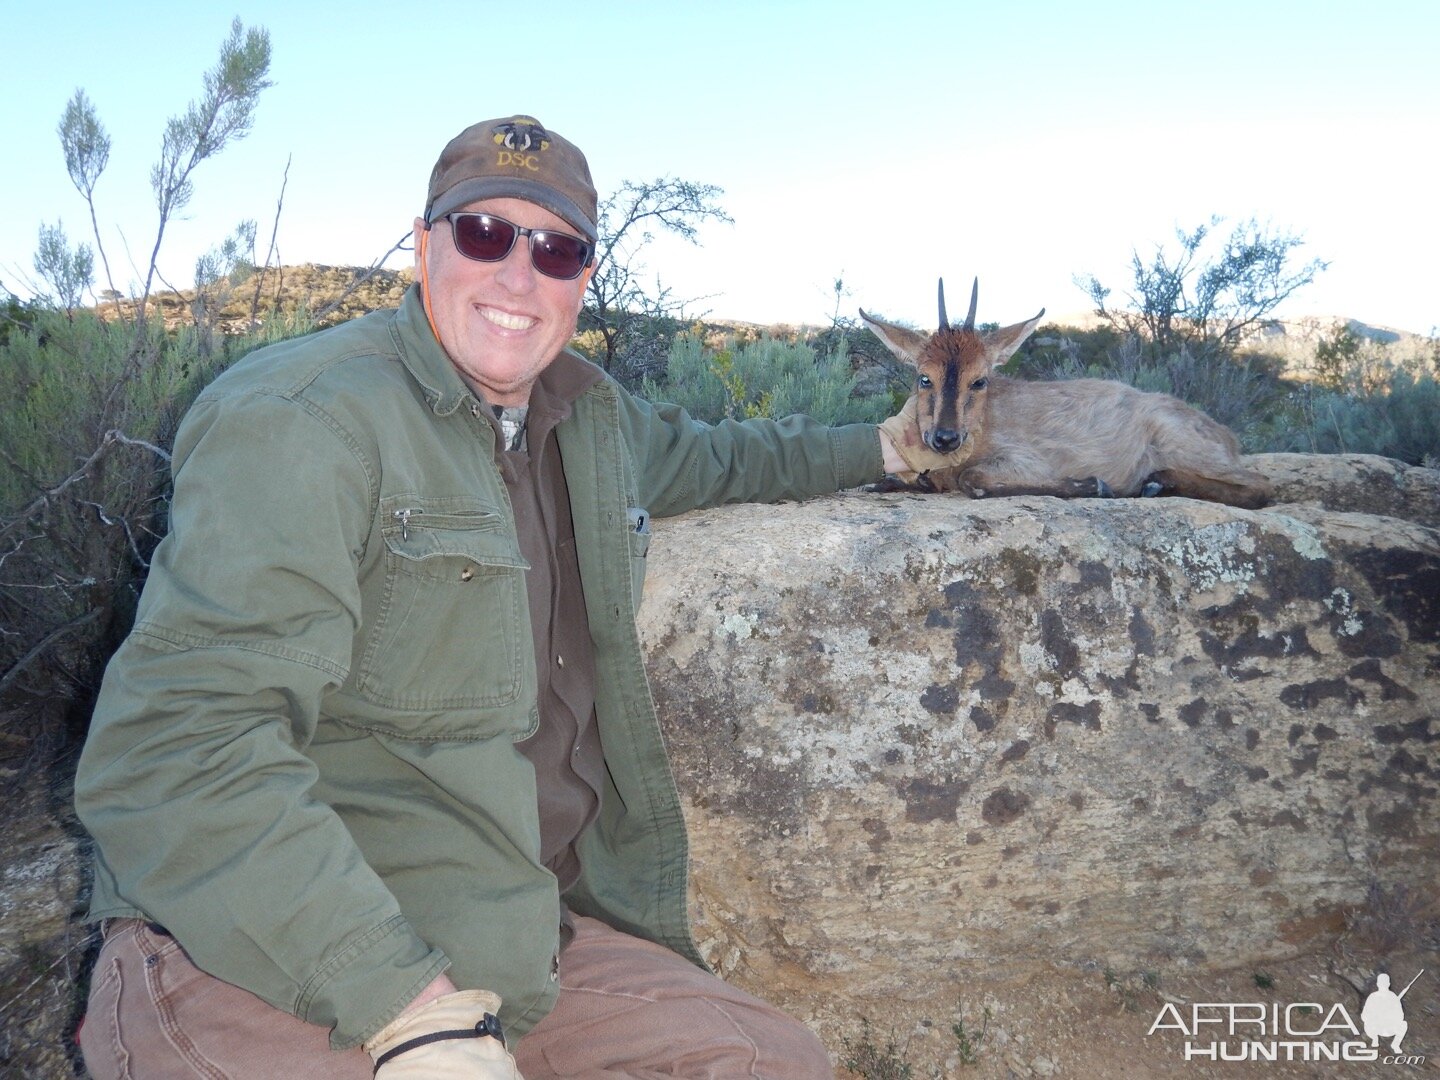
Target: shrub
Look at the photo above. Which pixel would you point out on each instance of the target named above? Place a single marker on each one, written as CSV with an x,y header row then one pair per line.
x,y
84,494
17,315
91,409
618,304
1398,417
1052,347
866,1058
767,378
641,352
1208,294
1366,397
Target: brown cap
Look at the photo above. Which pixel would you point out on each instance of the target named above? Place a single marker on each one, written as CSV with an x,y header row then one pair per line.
x,y
514,158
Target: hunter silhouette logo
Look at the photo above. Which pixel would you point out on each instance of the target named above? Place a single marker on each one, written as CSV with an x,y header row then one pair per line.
x,y
1383,1015
1291,1031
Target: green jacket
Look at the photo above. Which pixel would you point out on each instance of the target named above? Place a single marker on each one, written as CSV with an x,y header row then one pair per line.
x,y
303,758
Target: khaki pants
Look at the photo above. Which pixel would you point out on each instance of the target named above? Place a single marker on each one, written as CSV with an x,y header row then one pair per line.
x,y
627,1009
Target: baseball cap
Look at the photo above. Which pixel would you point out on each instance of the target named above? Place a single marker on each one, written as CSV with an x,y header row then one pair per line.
x,y
514,157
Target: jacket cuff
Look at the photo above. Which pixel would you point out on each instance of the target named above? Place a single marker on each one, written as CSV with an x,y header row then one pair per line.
x,y
368,984
855,449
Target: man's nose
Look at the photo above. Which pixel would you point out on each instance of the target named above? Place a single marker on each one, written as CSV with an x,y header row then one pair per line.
x,y
517,272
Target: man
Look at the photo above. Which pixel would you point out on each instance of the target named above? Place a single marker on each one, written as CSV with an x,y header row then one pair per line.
x,y
376,782
1383,1015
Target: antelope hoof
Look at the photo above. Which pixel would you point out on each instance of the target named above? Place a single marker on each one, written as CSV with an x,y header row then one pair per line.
x,y
1151,489
1102,489
889,482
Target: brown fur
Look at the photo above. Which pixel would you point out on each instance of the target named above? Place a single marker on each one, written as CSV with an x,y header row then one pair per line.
x,y
1079,437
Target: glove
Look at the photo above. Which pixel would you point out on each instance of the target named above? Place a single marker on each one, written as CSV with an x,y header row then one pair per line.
x,y
454,1037
904,431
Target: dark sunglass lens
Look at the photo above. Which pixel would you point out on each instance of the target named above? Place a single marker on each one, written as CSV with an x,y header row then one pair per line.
x,y
558,255
479,236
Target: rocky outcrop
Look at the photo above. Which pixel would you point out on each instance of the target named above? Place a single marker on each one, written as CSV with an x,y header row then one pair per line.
x,y
936,751
924,740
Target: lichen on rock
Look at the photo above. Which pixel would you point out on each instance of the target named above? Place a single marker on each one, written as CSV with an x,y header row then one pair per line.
x,y
970,736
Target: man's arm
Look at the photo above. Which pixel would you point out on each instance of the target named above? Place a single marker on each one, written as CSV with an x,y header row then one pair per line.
x,y
194,780
684,464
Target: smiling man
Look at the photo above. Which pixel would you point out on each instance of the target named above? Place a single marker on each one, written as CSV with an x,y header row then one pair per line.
x,y
376,783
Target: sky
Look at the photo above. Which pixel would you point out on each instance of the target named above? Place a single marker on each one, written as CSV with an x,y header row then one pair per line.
x,y
884,145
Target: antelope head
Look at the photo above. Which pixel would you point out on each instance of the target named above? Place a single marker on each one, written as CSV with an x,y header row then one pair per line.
x,y
952,370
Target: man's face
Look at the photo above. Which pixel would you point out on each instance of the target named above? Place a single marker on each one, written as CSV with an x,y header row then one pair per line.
x,y
502,323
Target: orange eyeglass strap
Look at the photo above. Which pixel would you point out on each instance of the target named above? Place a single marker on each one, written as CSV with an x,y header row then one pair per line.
x,y
422,258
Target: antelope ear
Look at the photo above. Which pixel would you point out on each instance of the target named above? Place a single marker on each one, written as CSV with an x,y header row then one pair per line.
x,y
1002,343
906,344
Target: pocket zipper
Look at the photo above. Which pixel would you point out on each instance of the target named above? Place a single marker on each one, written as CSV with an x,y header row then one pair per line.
x,y
403,516
481,520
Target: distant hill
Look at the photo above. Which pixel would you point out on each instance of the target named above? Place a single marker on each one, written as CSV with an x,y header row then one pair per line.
x,y
1294,340
335,294
332,294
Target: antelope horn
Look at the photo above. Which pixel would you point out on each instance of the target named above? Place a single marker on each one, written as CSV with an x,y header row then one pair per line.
x,y
974,297
944,322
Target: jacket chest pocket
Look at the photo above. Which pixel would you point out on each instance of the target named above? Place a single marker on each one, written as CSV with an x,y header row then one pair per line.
x,y
451,624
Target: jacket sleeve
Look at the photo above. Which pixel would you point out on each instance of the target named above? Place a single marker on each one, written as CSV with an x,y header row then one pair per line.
x,y
194,780
682,463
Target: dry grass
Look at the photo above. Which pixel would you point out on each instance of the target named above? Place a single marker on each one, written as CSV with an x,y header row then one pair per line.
x,y
330,294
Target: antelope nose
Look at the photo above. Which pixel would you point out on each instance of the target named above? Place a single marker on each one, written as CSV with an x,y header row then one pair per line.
x,y
944,440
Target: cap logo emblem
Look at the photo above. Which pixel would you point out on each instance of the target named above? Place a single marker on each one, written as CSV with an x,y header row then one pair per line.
x,y
521,135
517,138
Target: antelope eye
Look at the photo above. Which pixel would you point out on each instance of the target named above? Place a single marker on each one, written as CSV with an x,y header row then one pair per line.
x,y
924,382
980,384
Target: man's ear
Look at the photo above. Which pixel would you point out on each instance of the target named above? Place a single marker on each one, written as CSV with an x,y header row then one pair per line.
x,y
417,235
585,276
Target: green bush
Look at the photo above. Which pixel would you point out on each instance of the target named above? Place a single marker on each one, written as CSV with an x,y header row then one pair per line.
x,y
1398,417
1366,397
91,412
766,378
17,315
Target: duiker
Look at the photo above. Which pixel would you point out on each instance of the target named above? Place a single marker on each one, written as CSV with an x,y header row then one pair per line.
x,y
1071,438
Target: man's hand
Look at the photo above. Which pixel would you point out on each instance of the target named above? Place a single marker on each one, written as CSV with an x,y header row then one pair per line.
x,y
454,1037
902,431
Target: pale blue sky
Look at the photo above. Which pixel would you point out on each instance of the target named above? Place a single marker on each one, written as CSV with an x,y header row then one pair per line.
x,y
892,143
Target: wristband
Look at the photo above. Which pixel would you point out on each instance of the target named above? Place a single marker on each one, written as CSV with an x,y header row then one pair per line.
x,y
487,1027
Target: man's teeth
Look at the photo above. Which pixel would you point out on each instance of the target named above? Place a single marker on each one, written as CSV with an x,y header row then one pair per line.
x,y
507,321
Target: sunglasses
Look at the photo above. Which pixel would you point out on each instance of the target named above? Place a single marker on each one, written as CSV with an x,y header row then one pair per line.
x,y
487,238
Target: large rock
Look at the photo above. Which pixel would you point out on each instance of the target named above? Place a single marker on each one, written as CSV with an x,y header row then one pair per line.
x,y
931,746
1357,483
924,740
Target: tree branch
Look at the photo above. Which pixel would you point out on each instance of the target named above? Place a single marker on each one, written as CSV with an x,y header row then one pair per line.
x,y
360,279
270,252
110,438
44,643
